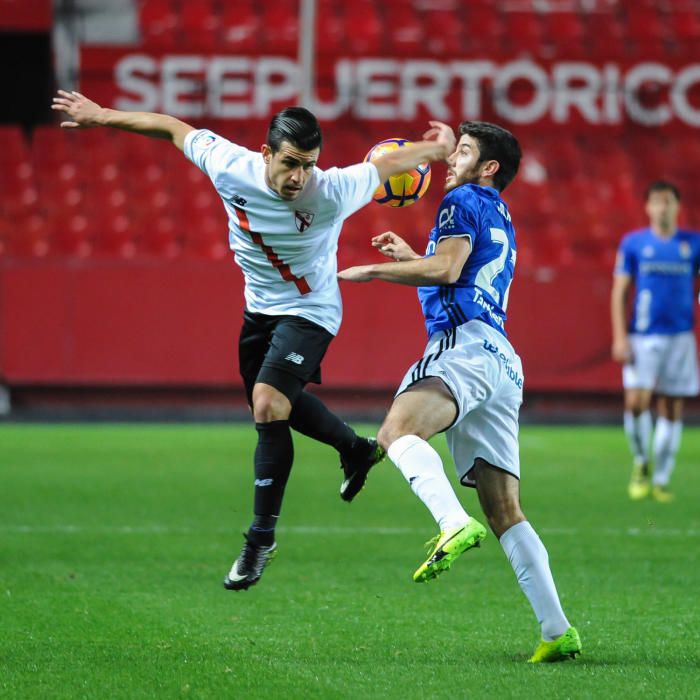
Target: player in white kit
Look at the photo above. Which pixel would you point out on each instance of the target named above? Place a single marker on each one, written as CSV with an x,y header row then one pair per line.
x,y
284,216
469,382
657,346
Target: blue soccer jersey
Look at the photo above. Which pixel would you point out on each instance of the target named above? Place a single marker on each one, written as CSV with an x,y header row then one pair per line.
x,y
481,292
663,271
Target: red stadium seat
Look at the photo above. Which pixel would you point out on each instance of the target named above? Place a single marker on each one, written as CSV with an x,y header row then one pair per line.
x,y
364,29
605,34
14,149
161,235
404,31
72,235
684,29
523,32
279,31
207,237
115,236
444,32
240,26
483,28
159,23
199,21
27,236
330,33
564,32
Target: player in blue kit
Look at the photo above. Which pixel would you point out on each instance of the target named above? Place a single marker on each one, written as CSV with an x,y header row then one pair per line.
x,y
469,382
657,347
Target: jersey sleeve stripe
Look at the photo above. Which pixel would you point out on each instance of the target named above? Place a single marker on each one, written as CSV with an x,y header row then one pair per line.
x,y
282,267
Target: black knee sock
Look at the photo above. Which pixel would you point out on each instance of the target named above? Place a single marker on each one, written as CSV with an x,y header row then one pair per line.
x,y
273,462
310,417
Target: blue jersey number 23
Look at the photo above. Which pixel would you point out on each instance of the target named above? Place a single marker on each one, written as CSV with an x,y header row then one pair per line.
x,y
489,276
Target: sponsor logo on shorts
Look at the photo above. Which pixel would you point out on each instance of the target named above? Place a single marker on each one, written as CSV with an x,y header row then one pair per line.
x,y
263,482
295,357
506,361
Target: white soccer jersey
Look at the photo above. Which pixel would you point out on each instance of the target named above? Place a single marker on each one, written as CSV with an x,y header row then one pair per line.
x,y
286,249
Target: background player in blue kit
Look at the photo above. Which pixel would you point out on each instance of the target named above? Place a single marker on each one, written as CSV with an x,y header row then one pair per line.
x,y
657,347
469,382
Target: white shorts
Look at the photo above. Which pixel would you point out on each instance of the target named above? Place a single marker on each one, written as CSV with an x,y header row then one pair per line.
x,y
666,364
485,376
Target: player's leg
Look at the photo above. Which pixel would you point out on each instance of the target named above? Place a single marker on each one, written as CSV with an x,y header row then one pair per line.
x,y
499,496
639,379
311,417
678,379
667,440
277,357
638,429
422,410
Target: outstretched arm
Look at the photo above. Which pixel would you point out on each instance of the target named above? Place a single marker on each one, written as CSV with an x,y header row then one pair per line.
x,y
84,113
438,143
442,268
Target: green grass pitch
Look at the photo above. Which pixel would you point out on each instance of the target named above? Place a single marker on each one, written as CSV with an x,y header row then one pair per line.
x,y
114,541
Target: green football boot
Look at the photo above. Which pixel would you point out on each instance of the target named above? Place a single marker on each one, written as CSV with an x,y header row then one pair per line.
x,y
661,494
639,486
446,547
565,647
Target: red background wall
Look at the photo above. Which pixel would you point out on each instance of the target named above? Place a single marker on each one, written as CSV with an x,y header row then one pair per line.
x,y
176,323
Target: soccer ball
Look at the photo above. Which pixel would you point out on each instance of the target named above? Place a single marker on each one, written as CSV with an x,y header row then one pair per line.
x,y
403,189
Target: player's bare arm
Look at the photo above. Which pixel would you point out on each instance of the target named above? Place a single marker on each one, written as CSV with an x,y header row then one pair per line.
x,y
83,113
394,247
442,268
621,351
438,144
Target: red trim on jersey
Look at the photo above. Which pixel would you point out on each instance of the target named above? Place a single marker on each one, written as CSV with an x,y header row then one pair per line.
x,y
287,275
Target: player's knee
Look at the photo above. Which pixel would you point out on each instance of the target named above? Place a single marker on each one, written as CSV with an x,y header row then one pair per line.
x,y
386,436
394,428
269,404
501,521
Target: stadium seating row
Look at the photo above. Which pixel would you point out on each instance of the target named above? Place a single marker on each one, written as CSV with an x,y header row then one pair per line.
x,y
102,192
405,27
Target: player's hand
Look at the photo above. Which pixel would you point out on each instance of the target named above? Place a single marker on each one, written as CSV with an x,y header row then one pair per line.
x,y
442,134
83,113
393,246
621,350
359,273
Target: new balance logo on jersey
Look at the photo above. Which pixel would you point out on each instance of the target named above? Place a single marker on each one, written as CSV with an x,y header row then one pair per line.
x,y
295,357
303,220
237,199
263,482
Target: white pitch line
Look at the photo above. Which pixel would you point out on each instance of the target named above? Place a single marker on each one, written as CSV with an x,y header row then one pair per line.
x,y
61,529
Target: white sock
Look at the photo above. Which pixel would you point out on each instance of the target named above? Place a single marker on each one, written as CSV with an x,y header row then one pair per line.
x,y
530,561
638,431
667,440
422,467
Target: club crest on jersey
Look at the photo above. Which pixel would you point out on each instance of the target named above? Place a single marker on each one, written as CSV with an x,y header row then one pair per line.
x,y
684,249
303,220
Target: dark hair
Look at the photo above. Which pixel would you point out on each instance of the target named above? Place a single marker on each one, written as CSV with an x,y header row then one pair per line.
x,y
495,143
662,186
296,125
